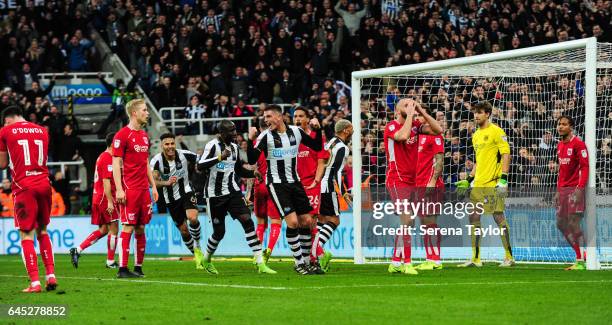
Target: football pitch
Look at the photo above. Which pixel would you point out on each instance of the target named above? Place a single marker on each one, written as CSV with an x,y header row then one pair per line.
x,y
175,291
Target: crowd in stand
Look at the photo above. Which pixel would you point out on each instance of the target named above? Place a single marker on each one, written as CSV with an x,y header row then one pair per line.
x,y
224,58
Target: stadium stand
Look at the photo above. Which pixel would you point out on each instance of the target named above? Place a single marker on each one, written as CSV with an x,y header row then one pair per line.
x,y
220,59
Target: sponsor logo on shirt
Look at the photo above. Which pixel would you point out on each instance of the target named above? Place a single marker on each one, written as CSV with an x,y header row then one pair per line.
x,y
564,161
304,153
32,173
139,148
223,165
282,153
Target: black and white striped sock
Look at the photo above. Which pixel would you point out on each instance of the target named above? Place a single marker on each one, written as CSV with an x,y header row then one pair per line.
x,y
194,230
319,226
293,240
305,243
252,240
326,232
211,247
189,243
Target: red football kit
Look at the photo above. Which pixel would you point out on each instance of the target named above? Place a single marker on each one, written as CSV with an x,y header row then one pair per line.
x,y
104,170
573,173
307,163
401,160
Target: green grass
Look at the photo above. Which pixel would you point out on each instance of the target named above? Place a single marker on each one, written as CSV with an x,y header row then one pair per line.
x,y
174,290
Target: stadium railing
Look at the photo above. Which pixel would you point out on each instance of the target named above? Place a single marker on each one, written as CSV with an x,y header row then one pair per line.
x,y
64,164
174,123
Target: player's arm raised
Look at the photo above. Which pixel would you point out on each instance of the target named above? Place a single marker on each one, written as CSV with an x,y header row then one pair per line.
x,y
315,144
152,183
255,150
431,126
406,106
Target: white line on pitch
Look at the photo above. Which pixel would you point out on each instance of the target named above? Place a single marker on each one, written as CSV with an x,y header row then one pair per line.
x,y
195,284
357,286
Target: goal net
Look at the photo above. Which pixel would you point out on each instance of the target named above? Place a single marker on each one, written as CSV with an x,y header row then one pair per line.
x,y
529,89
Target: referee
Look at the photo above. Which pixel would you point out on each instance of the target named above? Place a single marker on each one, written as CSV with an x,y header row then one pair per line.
x,y
280,145
170,172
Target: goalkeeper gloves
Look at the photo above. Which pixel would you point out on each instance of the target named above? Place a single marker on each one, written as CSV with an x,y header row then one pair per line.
x,y
502,185
464,185
503,181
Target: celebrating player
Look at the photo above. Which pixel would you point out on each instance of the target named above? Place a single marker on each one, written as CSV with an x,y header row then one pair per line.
x,y
170,171
223,195
572,179
490,180
25,146
332,176
263,205
401,145
310,167
280,144
430,163
133,177
103,211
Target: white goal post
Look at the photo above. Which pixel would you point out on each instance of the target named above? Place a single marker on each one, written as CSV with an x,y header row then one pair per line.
x,y
575,57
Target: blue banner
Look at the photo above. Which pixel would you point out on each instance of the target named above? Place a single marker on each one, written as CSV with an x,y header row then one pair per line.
x,y
99,94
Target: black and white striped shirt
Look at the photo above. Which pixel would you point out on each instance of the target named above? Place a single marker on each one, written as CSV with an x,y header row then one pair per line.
x,y
333,171
221,178
281,150
177,167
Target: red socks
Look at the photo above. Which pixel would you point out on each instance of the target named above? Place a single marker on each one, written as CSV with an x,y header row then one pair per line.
x,y
90,240
46,252
261,230
124,248
141,243
274,233
30,260
111,243
407,248
432,243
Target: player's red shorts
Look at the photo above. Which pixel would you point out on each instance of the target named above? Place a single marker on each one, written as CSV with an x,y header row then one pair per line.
x,y
262,203
567,204
99,215
314,197
401,190
431,200
137,207
32,207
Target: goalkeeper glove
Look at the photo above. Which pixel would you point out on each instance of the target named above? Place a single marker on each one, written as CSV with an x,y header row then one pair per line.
x,y
502,185
463,185
503,181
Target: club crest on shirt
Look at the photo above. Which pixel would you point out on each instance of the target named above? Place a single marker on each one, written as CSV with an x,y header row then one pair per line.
x,y
117,143
569,151
438,141
292,138
145,139
423,140
391,127
486,138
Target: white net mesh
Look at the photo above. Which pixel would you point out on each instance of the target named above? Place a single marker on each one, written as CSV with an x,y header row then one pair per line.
x,y
528,95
